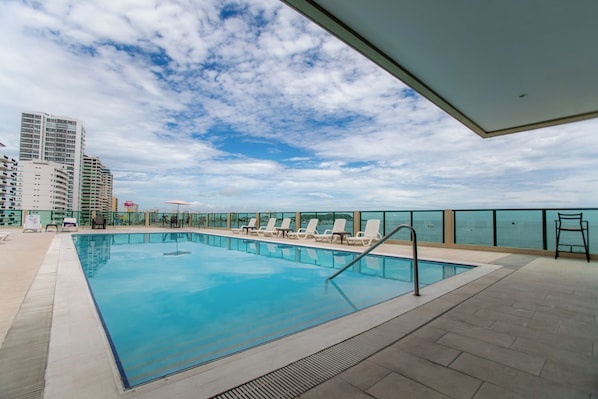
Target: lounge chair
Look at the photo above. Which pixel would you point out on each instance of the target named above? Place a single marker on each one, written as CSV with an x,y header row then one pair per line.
x,y
369,235
32,223
269,227
339,225
246,227
98,222
286,222
305,232
4,236
70,224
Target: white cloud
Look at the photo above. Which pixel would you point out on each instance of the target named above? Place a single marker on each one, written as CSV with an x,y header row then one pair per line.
x,y
161,87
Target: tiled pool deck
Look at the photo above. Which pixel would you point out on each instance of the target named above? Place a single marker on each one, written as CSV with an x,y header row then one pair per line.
x,y
518,327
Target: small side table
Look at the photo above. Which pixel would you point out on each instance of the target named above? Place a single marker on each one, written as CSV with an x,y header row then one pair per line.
x,y
55,225
247,228
284,231
341,234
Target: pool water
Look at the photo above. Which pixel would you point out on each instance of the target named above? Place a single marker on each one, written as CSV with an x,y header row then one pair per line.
x,y
171,301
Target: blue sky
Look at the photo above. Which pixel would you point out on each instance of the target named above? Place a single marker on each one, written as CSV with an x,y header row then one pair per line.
x,y
247,106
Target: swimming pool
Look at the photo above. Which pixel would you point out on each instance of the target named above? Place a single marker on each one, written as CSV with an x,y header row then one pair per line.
x,y
172,301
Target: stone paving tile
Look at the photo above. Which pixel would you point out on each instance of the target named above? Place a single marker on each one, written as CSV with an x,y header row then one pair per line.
x,y
525,362
520,382
580,309
547,313
396,386
364,374
534,284
425,372
560,341
504,292
578,329
582,301
458,315
335,388
550,352
428,349
483,334
577,377
491,391
483,300
494,315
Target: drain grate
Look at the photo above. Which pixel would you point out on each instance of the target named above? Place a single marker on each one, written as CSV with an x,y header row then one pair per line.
x,y
299,377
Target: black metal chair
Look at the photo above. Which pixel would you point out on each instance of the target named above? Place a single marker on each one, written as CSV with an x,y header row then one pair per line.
x,y
98,222
572,222
174,221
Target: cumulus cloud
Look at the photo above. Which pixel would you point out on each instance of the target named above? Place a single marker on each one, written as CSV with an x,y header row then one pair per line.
x,y
247,106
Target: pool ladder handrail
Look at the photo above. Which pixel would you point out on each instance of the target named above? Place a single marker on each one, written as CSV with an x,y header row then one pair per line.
x,y
386,237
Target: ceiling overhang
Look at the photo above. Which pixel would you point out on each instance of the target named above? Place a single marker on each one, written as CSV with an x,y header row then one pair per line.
x,y
497,67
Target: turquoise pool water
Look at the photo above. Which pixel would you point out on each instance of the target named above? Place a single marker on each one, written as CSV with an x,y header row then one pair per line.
x,y
171,301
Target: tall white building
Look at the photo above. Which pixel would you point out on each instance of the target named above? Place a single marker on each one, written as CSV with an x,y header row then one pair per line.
x,y
42,185
56,139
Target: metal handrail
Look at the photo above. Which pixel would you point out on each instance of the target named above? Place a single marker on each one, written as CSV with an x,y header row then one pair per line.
x,y
386,237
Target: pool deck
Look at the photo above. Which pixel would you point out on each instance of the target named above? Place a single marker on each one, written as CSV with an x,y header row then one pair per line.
x,y
522,327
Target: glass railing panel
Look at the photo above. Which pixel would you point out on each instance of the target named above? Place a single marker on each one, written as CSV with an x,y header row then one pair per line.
x,y
158,219
199,219
429,226
474,227
392,219
519,229
368,215
218,220
264,218
306,217
240,219
290,215
348,216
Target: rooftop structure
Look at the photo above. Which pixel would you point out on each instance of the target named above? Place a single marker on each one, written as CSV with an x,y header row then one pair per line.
x,y
498,68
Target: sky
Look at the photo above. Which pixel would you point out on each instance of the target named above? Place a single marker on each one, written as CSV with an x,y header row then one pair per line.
x,y
246,106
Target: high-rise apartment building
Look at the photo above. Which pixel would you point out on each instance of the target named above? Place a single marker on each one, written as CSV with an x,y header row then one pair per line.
x,y
96,187
8,190
43,185
57,139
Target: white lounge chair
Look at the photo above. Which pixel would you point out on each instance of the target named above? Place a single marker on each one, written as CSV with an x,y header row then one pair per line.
x,y
70,224
286,223
246,227
4,235
305,232
32,223
369,235
339,225
269,227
